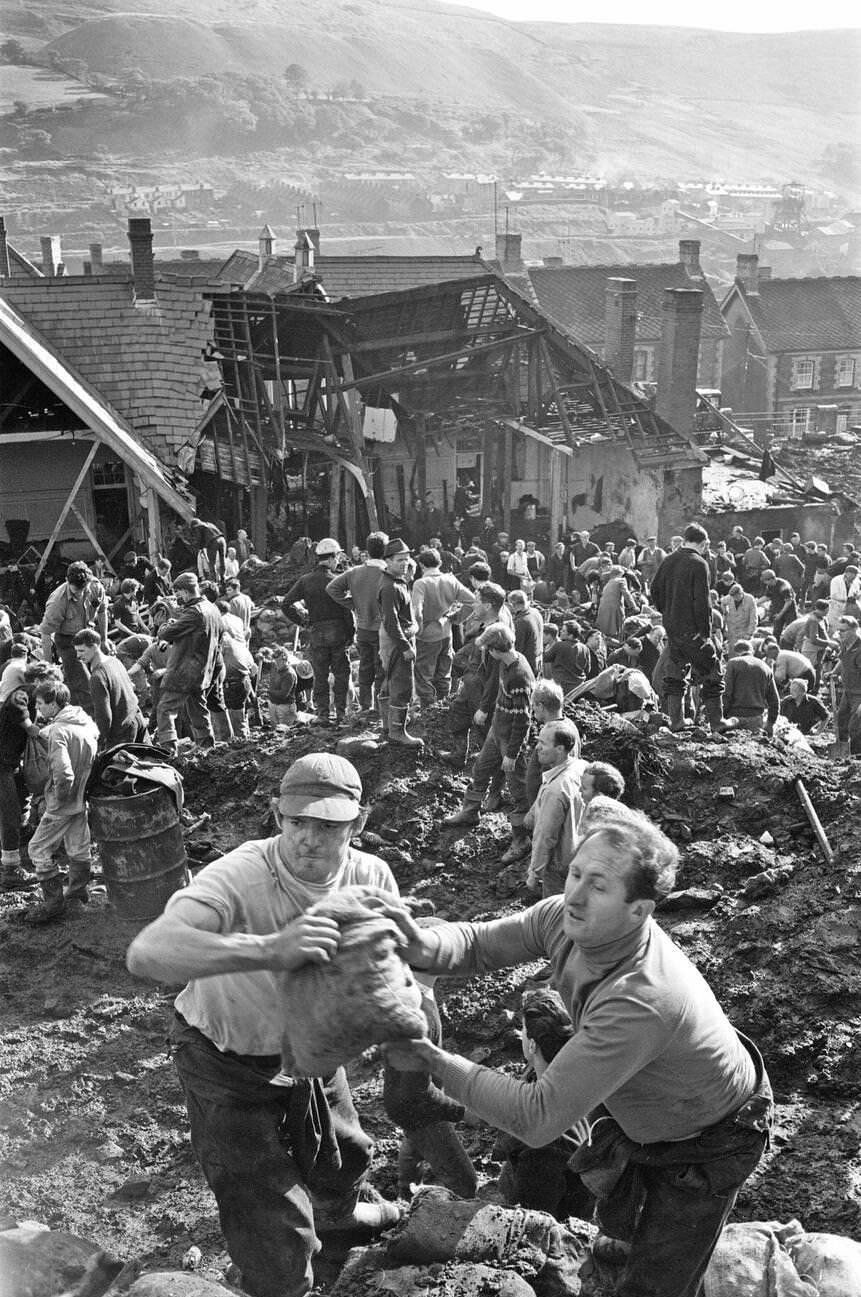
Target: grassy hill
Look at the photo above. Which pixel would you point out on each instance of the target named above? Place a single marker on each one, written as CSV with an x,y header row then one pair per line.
x,y
653,101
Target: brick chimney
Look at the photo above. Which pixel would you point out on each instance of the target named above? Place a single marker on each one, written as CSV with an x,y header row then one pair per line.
x,y
304,255
508,251
143,265
265,246
96,262
5,270
678,357
747,271
620,326
689,256
51,254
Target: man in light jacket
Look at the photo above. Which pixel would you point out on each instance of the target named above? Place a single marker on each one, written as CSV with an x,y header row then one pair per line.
x,y
739,610
435,598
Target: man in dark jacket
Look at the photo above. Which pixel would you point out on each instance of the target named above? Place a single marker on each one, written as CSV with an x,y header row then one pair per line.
x,y
398,629
357,589
116,710
680,591
332,630
193,638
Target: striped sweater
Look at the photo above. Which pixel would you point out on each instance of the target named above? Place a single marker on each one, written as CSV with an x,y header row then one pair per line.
x,y
511,716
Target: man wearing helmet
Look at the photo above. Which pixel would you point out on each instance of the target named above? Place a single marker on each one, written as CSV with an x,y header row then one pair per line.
x,y
332,629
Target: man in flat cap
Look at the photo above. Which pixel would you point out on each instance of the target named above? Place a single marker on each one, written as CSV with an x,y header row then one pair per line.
x,y
284,1156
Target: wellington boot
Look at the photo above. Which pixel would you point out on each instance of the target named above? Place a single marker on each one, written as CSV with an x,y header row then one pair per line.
x,y
383,705
518,850
221,728
79,876
52,906
441,1148
465,818
397,729
675,711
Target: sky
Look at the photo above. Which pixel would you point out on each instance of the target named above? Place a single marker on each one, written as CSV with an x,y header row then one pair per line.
x,y
720,15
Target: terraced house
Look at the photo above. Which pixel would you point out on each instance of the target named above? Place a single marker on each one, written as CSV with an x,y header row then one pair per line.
x,y
792,364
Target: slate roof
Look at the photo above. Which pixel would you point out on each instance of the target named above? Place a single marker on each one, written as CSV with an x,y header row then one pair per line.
x,y
576,297
146,360
821,314
34,351
351,276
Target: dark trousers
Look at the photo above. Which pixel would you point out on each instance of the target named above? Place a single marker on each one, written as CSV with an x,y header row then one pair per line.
x,y
488,764
370,665
271,1155
687,656
672,1200
326,658
13,805
399,683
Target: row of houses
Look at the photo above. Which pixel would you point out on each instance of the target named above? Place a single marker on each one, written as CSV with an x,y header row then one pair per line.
x,y
146,392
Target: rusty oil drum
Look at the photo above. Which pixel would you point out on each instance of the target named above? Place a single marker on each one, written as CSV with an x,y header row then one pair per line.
x,y
141,849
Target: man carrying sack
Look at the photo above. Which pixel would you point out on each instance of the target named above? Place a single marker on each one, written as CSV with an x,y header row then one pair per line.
x,y
284,1156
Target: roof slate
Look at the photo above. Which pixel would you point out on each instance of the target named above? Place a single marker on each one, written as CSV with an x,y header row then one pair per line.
x,y
576,296
146,360
353,276
808,314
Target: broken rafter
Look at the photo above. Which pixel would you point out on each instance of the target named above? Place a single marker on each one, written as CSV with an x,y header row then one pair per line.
x,y
433,362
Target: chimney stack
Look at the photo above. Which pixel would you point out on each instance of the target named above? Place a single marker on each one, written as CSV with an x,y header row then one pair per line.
x,y
265,246
5,270
96,261
689,256
678,358
51,254
620,327
143,265
747,271
508,251
313,234
304,255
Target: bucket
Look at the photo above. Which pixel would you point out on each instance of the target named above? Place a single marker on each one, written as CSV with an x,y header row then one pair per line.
x,y
141,849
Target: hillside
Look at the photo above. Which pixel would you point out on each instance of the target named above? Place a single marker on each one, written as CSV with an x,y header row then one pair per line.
x,y
637,99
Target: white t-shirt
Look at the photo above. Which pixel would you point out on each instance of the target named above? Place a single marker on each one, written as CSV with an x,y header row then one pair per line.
x,y
251,891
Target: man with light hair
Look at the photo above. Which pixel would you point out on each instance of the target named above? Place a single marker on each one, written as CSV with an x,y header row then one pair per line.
x,y
680,1103
554,817
740,615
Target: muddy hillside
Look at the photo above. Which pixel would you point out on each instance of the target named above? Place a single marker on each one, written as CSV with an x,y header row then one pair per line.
x,y
93,1135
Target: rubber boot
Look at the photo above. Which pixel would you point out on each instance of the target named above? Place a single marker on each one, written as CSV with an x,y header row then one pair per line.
x,y
79,875
675,711
239,722
441,1148
222,730
713,708
383,705
519,847
397,729
53,903
468,815
12,877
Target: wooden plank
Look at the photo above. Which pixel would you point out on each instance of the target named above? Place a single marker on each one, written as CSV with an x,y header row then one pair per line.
x,y
64,512
433,362
91,535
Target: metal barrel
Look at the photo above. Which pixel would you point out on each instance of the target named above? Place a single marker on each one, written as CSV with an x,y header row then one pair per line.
x,y
141,849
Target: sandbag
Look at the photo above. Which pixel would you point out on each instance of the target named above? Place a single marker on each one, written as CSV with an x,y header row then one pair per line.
x,y
751,1261
443,1228
366,994
830,1262
370,1275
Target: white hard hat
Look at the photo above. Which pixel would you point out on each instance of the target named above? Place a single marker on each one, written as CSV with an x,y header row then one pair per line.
x,y
327,548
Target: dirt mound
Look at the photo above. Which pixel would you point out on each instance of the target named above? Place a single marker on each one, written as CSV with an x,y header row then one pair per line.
x,y
93,1135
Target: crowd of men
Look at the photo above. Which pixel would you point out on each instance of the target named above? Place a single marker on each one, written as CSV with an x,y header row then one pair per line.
x,y
660,1107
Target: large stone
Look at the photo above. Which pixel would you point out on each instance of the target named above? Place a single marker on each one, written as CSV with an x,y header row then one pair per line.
x,y
175,1283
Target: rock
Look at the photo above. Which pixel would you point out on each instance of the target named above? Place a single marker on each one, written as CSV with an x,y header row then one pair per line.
x,y
767,883
693,898
109,1152
372,839
174,1283
192,1258
131,1190
46,1262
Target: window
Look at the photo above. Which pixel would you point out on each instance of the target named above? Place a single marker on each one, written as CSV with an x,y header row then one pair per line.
x,y
644,365
842,424
845,371
801,418
803,375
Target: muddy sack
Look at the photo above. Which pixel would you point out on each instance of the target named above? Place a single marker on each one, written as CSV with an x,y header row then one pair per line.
x,y
767,1259
369,1273
441,1228
366,994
